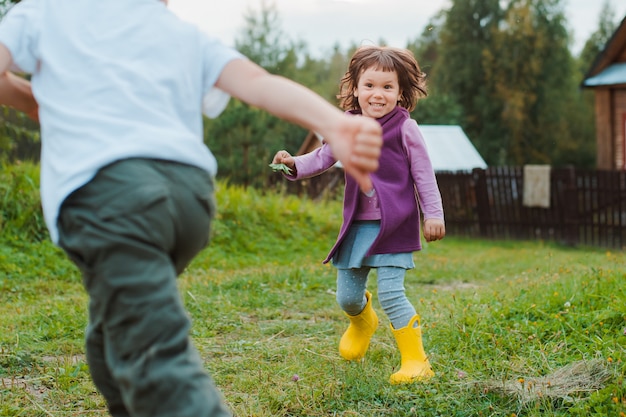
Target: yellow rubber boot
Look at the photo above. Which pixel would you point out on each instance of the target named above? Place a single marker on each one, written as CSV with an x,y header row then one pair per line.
x,y
414,365
356,339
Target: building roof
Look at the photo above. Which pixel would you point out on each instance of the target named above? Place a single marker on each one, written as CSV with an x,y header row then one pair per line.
x,y
611,75
450,149
608,67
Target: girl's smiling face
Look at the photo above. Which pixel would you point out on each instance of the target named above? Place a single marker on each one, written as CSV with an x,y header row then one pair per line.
x,y
378,92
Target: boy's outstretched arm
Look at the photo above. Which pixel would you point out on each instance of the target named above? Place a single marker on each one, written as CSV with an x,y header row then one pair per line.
x,y
15,91
354,140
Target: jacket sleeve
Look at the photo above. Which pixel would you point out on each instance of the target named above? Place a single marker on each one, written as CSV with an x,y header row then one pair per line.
x,y
422,171
313,163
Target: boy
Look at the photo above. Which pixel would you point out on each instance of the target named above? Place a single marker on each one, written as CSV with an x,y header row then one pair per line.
x,y
126,181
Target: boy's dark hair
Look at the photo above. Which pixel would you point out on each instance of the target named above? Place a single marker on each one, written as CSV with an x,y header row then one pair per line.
x,y
411,79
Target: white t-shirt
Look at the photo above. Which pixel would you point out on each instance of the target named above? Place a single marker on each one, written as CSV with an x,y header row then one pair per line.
x,y
114,79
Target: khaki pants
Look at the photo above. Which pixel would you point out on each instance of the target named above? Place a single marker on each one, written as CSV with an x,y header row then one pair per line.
x,y
131,231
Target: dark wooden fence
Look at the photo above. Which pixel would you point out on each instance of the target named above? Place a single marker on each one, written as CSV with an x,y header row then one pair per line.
x,y
586,207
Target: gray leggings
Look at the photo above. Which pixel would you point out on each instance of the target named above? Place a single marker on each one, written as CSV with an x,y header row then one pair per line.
x,y
351,284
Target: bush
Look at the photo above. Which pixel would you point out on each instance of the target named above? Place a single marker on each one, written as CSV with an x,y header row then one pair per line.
x,y
247,219
20,212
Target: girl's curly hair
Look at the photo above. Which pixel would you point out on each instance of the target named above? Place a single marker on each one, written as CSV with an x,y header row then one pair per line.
x,y
411,79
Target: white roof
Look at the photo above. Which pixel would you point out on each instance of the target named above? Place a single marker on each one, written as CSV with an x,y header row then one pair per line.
x,y
450,149
613,74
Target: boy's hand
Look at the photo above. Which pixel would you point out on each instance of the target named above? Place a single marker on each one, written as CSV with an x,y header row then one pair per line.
x,y
16,92
434,229
356,142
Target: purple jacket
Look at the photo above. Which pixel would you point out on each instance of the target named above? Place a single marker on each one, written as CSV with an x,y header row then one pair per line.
x,y
404,173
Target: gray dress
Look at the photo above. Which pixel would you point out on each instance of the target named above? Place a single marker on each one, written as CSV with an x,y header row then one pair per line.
x,y
358,240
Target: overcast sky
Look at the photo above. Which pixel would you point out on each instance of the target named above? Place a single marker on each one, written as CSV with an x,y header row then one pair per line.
x,y
324,23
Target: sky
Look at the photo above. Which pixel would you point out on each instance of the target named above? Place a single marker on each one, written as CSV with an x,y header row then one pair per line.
x,y
325,23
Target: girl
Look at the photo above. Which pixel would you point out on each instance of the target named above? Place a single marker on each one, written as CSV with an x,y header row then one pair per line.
x,y
381,228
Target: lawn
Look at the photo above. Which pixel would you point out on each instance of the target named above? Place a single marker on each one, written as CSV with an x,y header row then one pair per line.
x,y
512,328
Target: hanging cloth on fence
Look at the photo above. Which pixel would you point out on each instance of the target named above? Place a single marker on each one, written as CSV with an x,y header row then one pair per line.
x,y
537,186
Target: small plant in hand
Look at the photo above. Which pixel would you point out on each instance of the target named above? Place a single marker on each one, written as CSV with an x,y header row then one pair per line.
x,y
281,168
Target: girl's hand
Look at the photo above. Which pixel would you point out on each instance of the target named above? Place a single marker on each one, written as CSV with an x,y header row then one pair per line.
x,y
434,229
284,157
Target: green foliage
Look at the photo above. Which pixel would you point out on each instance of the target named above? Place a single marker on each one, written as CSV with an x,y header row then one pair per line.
x,y
461,72
280,168
438,109
323,75
263,41
19,136
521,70
427,46
509,69
269,226
20,209
244,140
598,39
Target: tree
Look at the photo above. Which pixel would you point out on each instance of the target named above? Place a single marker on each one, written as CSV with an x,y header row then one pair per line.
x,y
530,70
323,76
508,65
263,41
439,107
244,138
242,141
460,74
598,39
427,47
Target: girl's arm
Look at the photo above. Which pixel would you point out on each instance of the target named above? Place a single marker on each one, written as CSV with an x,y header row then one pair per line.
x,y
425,181
308,165
355,141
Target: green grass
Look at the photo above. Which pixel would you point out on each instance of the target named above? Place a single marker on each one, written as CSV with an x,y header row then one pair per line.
x,y
495,315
